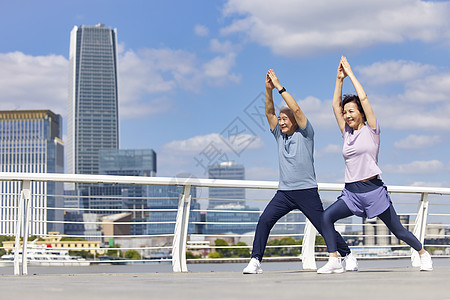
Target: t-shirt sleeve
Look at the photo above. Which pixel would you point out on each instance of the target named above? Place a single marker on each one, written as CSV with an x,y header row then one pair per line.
x,y
308,131
375,131
276,131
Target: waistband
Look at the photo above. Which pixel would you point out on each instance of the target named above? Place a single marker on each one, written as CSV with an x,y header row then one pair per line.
x,y
364,186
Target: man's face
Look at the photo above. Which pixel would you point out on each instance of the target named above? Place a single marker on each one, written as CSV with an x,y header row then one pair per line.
x,y
287,123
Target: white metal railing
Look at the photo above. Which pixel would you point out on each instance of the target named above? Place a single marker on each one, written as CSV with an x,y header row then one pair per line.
x,y
179,263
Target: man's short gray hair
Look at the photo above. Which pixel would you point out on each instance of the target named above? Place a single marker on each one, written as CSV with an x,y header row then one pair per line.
x,y
286,110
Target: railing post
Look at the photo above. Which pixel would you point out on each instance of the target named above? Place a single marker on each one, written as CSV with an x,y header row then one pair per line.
x,y
181,229
22,224
308,244
420,227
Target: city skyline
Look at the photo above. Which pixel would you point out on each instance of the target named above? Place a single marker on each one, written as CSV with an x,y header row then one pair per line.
x,y
194,85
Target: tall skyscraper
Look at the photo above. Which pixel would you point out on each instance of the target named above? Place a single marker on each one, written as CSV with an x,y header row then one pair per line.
x,y
30,142
92,118
219,196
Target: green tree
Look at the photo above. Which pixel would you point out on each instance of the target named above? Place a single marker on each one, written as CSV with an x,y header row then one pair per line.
x,y
221,251
283,251
115,253
240,252
2,239
132,254
190,255
229,252
214,254
70,239
81,253
320,241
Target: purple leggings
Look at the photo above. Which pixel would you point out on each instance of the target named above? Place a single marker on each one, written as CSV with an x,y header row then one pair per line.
x,y
339,210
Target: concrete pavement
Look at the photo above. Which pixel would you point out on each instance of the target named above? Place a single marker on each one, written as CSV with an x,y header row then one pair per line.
x,y
373,281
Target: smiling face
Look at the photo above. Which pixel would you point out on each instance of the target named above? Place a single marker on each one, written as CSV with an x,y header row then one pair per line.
x,y
352,116
287,123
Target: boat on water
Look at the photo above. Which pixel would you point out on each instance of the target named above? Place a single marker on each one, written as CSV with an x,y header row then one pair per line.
x,y
45,255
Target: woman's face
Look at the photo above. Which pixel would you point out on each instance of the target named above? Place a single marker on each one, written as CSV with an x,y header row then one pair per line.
x,y
353,116
287,123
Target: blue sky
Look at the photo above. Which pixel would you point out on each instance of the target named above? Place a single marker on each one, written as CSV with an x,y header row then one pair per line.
x,y
191,74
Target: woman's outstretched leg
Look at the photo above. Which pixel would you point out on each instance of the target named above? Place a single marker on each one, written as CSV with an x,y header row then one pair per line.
x,y
392,221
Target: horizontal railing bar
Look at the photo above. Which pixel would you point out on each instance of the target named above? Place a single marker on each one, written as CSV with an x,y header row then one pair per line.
x,y
105,236
104,223
141,180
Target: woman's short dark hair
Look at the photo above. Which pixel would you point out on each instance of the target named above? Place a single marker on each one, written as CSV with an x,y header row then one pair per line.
x,y
355,99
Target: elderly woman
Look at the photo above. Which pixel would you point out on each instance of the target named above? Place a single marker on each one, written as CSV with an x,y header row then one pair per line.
x,y
365,194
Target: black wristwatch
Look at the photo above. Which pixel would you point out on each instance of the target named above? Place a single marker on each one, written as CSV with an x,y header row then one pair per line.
x,y
282,91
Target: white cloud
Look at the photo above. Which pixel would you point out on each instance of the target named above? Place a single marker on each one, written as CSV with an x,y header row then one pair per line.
x,y
329,149
223,47
431,89
300,28
318,112
217,71
427,184
420,99
400,113
394,71
33,82
201,30
198,144
148,72
199,152
417,141
415,167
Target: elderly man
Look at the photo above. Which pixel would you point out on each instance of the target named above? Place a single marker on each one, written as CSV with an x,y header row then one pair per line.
x,y
297,186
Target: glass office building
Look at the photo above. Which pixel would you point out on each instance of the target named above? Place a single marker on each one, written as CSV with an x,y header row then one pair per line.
x,y
126,162
230,199
163,204
30,142
220,197
152,203
92,119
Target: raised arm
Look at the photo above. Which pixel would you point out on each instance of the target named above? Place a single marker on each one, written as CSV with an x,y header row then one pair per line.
x,y
337,97
268,102
299,116
368,111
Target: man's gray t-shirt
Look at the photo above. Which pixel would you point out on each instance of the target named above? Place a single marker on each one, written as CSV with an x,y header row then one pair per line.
x,y
295,155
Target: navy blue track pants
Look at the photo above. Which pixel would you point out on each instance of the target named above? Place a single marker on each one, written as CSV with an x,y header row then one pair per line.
x,y
307,200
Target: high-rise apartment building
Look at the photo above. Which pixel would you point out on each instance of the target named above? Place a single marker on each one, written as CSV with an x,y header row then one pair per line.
x,y
30,142
92,118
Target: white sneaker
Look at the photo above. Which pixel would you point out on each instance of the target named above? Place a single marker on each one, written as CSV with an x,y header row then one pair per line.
x,y
351,264
253,267
425,262
333,265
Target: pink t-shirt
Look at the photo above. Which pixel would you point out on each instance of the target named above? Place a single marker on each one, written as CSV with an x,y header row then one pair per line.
x,y
360,152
